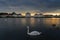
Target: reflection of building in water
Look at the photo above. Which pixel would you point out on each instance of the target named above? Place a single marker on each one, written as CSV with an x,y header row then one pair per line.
x,y
28,21
50,21
32,21
28,14
23,21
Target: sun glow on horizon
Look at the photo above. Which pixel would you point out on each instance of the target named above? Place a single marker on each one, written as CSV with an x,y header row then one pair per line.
x,y
31,13
54,14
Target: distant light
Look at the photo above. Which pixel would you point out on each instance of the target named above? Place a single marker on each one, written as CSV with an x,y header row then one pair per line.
x,y
54,14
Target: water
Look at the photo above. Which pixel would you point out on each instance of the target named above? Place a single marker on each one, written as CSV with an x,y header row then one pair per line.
x,y
16,28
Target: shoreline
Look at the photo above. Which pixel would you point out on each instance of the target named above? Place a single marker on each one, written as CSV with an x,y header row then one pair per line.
x,y
28,17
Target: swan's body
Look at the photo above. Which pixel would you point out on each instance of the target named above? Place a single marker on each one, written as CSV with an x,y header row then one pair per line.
x,y
33,33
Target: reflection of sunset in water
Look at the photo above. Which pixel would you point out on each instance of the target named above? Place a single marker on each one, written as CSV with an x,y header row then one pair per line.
x,y
32,21
50,21
23,21
28,20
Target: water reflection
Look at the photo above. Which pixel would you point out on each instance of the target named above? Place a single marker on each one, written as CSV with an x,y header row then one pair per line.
x,y
50,21
16,27
38,21
23,21
32,21
28,21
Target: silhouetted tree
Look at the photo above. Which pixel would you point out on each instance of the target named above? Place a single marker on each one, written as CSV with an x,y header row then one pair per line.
x,y
13,13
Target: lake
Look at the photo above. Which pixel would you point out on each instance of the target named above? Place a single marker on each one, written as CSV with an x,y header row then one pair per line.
x,y
16,28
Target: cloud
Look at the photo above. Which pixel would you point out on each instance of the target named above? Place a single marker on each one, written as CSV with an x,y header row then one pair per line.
x,y
42,5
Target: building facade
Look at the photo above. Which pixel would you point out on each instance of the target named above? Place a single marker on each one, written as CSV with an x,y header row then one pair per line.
x,y
28,14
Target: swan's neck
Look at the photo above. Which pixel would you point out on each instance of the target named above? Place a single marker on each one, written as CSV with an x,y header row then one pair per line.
x,y
27,29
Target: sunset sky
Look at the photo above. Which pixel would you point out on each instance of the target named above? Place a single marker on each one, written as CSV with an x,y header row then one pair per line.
x,y
30,5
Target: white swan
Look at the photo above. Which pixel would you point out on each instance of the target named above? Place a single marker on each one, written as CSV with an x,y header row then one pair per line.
x,y
33,33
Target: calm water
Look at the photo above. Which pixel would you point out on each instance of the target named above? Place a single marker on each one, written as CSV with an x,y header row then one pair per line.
x,y
15,28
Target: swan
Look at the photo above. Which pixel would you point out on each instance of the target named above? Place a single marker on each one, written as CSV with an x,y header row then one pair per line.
x,y
33,33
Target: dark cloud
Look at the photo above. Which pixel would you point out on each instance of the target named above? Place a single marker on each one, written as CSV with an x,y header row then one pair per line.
x,y
43,5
